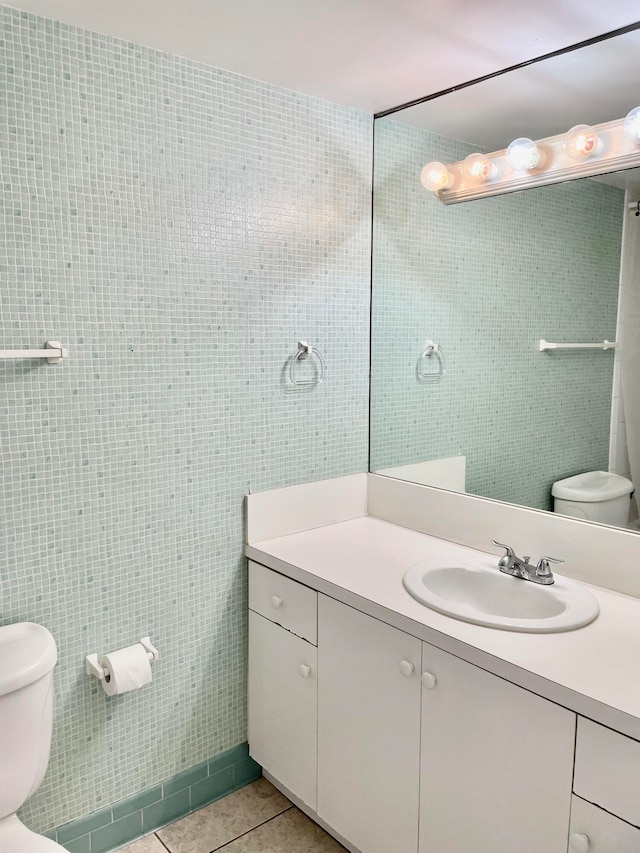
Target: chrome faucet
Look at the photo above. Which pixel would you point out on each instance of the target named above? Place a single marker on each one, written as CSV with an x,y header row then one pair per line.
x,y
513,565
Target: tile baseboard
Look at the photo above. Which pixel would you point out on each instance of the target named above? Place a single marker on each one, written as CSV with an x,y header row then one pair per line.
x,y
140,814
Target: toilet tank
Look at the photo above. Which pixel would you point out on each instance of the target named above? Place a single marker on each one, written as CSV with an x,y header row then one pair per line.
x,y
595,495
27,657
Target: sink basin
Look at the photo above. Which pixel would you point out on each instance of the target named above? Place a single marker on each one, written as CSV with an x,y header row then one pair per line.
x,y
487,596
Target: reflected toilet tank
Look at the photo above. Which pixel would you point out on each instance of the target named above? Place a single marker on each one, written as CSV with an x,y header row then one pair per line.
x,y
595,496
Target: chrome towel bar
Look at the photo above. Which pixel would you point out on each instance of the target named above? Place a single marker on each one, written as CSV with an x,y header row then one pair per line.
x,y
604,345
52,351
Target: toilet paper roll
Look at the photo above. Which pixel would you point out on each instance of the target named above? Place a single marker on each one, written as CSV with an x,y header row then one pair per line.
x,y
126,669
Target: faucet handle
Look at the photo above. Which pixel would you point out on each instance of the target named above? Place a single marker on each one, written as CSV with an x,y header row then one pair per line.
x,y
508,548
506,561
543,569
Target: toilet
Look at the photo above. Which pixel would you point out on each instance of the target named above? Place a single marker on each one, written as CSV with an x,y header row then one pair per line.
x,y
595,496
27,658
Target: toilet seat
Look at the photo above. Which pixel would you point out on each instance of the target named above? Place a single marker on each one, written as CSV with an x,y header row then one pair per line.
x,y
15,836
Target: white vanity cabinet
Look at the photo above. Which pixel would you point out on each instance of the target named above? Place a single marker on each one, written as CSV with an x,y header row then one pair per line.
x,y
283,680
496,763
368,729
417,750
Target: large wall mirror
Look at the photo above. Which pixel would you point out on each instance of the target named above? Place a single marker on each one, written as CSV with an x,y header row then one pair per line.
x,y
462,398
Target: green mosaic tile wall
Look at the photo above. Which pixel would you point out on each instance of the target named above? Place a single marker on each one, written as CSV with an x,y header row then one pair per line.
x,y
113,826
487,280
178,228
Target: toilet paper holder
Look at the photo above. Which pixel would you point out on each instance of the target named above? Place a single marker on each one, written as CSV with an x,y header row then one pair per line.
x,y
92,664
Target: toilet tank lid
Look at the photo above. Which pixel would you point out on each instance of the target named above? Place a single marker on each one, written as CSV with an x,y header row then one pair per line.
x,y
27,652
592,486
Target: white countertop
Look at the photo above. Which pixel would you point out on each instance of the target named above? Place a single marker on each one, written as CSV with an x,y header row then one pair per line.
x,y
594,670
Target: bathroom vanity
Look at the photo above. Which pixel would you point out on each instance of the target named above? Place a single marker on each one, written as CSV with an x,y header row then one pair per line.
x,y
402,729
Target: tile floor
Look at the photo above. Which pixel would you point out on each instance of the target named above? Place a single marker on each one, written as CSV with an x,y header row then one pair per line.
x,y
255,819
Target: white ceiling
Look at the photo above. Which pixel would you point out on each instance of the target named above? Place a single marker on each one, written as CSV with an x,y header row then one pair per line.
x,y
593,84
369,54
596,83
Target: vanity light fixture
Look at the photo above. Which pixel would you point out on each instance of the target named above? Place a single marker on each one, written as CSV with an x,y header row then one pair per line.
x,y
479,167
580,153
581,141
523,155
632,125
436,176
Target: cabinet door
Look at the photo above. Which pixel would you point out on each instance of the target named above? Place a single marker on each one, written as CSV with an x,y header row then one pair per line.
x,y
595,831
283,713
607,770
496,763
368,729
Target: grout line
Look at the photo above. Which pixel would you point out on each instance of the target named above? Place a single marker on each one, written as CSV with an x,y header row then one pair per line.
x,y
249,831
162,842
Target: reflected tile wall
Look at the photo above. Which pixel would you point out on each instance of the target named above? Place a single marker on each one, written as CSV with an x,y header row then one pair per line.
x,y
487,280
178,228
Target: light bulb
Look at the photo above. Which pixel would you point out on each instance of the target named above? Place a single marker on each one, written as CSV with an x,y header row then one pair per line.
x,y
478,167
632,125
435,176
523,154
581,141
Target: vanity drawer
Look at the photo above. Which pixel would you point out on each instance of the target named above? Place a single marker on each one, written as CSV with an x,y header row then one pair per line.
x,y
283,601
607,770
605,832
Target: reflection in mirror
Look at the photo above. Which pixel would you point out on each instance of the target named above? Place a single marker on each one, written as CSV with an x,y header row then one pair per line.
x,y
462,396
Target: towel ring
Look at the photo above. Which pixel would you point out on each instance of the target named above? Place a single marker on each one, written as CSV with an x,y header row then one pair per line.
x,y
432,349
305,350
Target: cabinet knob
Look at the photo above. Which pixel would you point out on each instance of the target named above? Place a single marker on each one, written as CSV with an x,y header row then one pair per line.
x,y
407,668
276,601
305,670
579,843
429,680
